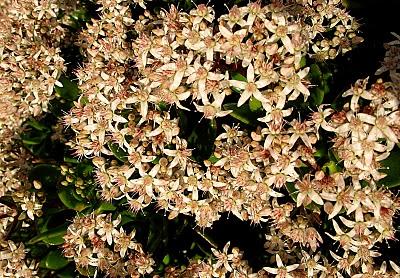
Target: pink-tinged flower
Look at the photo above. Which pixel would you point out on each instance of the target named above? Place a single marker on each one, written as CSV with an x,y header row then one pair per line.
x,y
210,42
294,85
342,197
166,126
107,227
311,263
179,67
199,74
354,126
231,134
223,258
180,155
382,123
235,16
202,12
231,47
173,97
367,149
255,10
250,87
299,130
370,271
281,29
273,131
213,110
307,193
275,114
281,271
319,119
345,239
395,267
344,262
31,206
147,182
358,90
124,241
143,98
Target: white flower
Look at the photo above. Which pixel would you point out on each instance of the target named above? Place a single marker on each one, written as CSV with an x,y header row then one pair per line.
x,y
250,87
281,271
212,110
30,205
294,83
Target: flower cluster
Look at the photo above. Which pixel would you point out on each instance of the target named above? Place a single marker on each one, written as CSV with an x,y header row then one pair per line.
x,y
143,74
180,58
96,241
190,61
13,262
30,66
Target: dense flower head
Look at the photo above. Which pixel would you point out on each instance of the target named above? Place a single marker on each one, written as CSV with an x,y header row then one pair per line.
x,y
139,76
31,37
97,240
190,61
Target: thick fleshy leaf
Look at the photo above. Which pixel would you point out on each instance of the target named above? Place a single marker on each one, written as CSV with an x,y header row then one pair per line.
x,y
104,206
242,113
53,236
68,272
392,165
69,199
293,192
87,271
33,140
119,153
330,167
54,260
37,125
48,175
255,105
69,90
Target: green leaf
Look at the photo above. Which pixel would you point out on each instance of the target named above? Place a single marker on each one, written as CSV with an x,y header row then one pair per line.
x,y
55,260
392,165
69,91
317,96
49,175
238,76
104,206
119,153
242,113
68,198
213,159
330,167
255,104
202,138
303,62
71,160
84,169
84,100
127,217
37,125
86,271
69,272
293,192
162,106
80,15
53,236
36,140
315,72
